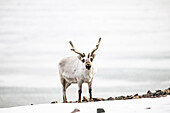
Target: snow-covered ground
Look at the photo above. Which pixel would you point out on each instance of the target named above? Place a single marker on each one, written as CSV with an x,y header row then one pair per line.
x,y
149,105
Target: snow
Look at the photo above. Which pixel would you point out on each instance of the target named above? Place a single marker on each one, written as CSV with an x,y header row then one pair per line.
x,y
147,105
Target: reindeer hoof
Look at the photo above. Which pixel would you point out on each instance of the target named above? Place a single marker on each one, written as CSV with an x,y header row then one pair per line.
x,y
79,101
91,100
65,101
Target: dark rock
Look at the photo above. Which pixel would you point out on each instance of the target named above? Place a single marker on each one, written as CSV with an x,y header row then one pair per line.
x,y
158,90
110,98
157,94
98,99
136,94
116,98
154,94
164,93
100,110
149,92
54,102
144,96
148,108
129,97
120,98
123,97
140,96
167,92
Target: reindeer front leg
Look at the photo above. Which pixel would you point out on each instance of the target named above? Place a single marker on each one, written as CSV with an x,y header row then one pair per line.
x,y
79,92
90,91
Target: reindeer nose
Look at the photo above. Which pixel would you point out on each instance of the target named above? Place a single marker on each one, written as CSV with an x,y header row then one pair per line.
x,y
88,66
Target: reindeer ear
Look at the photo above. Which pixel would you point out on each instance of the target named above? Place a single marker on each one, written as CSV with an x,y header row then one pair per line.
x,y
93,56
79,57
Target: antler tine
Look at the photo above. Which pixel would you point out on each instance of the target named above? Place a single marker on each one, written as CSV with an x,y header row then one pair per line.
x,y
97,46
76,51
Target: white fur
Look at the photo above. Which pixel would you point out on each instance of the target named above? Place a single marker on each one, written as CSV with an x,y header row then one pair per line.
x,y
73,70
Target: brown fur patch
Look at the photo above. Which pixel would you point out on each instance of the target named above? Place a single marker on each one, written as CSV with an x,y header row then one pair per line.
x,y
62,64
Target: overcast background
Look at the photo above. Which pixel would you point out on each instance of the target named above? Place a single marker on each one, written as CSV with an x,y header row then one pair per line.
x,y
134,54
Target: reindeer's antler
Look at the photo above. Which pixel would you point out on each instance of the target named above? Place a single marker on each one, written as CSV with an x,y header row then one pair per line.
x,y
75,50
97,46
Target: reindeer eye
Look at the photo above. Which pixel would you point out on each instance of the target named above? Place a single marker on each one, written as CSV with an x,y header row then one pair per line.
x,y
91,59
83,60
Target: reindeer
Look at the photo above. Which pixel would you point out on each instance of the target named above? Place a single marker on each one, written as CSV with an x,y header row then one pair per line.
x,y
77,69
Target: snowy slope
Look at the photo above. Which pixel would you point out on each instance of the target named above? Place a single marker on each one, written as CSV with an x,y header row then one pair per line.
x,y
149,105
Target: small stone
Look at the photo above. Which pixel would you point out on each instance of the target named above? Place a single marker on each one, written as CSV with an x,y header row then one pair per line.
x,y
140,96
98,99
75,110
129,97
148,108
123,97
110,98
158,90
149,92
136,94
164,95
154,94
116,98
120,98
54,102
145,96
157,95
100,110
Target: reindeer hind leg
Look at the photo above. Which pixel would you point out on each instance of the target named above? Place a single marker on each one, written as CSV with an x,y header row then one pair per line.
x,y
63,82
67,85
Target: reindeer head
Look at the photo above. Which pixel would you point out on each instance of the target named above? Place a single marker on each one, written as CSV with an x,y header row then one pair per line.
x,y
86,59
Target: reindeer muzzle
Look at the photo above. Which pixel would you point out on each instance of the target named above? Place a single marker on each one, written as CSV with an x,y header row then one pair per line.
x,y
88,66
